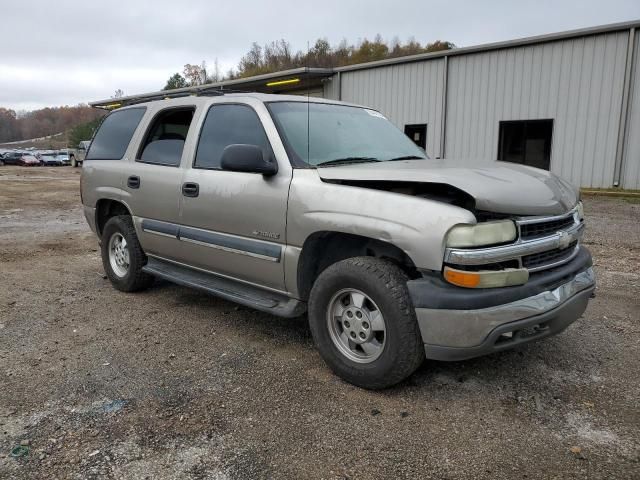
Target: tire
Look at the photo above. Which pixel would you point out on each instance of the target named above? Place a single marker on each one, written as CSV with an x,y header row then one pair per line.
x,y
130,278
397,350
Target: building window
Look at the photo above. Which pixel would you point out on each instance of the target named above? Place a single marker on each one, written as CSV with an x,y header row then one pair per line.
x,y
527,142
417,133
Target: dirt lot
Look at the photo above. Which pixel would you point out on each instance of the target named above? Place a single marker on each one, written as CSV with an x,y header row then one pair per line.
x,y
172,383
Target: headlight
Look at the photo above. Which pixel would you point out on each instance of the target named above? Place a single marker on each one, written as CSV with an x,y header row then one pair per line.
x,y
482,234
580,211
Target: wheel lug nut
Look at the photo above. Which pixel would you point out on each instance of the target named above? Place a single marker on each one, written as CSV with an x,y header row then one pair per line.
x,y
347,324
362,335
353,334
358,314
349,314
365,325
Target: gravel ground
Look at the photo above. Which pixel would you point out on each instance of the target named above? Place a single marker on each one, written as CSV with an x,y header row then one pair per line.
x,y
174,384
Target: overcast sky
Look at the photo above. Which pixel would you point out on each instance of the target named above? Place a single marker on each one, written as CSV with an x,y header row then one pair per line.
x,y
71,51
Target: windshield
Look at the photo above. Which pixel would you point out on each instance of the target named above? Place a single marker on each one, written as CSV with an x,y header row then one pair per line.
x,y
327,134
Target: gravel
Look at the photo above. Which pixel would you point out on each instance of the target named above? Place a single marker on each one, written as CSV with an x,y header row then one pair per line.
x,y
172,383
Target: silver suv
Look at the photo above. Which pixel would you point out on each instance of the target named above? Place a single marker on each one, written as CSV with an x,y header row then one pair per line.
x,y
290,205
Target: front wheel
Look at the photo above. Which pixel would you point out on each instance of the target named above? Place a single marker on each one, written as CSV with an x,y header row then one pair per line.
x,y
363,322
122,255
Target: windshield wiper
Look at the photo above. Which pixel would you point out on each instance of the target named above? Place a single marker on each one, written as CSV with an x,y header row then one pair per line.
x,y
347,161
406,157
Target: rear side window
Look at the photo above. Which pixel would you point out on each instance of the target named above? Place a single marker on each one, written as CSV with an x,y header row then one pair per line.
x,y
164,142
113,136
228,125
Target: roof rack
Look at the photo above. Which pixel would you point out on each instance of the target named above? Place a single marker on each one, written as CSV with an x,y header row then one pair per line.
x,y
275,82
199,90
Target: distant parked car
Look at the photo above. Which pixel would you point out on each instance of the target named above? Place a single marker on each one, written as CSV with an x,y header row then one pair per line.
x,y
12,158
28,160
51,159
64,158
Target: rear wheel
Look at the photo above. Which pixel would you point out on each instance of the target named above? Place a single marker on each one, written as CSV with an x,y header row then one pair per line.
x,y
363,322
122,255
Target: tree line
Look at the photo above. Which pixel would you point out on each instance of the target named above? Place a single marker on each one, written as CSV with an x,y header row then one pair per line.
x,y
279,55
41,123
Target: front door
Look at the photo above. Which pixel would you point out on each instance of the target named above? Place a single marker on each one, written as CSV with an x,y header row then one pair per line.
x,y
234,223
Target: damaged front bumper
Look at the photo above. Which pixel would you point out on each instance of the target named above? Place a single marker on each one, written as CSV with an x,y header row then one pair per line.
x,y
458,323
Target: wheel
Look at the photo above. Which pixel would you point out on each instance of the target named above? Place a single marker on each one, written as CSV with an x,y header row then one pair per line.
x,y
73,162
122,256
363,323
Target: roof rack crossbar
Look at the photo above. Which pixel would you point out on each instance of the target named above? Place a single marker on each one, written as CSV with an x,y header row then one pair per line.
x,y
150,97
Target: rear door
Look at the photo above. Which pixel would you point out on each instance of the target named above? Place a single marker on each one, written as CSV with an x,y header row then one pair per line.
x,y
153,180
234,223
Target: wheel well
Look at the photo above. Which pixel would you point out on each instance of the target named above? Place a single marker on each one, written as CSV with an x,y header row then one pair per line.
x,y
322,249
107,208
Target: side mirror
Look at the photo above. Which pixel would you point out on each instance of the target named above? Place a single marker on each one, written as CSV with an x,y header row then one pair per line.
x,y
247,158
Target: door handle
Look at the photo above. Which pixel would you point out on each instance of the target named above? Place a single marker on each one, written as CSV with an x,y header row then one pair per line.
x,y
133,181
190,189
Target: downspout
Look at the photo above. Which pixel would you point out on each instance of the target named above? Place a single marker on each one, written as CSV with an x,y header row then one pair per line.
x,y
623,125
443,123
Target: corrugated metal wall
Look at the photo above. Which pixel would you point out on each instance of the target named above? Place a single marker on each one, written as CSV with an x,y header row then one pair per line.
x,y
631,162
577,82
407,94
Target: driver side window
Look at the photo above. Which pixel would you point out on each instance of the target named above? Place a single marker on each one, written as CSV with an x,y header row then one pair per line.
x,y
228,125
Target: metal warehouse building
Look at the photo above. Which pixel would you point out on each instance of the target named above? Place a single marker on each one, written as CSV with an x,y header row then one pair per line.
x,y
568,102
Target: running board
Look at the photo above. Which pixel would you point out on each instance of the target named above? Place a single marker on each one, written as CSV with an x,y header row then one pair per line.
x,y
247,295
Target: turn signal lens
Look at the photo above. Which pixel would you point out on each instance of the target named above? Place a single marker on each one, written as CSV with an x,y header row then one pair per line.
x,y
462,278
482,234
486,278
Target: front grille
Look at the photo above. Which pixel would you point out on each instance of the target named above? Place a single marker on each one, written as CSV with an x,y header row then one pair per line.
x,y
549,257
529,231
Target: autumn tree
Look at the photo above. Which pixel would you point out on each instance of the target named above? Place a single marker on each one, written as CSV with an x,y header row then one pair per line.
x,y
195,74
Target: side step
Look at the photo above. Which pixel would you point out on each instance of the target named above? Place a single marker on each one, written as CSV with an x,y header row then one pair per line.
x,y
247,295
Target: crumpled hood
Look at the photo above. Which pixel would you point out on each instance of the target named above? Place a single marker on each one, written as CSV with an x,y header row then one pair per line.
x,y
501,188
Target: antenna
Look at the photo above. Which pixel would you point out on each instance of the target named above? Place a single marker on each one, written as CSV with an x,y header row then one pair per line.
x,y
308,121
